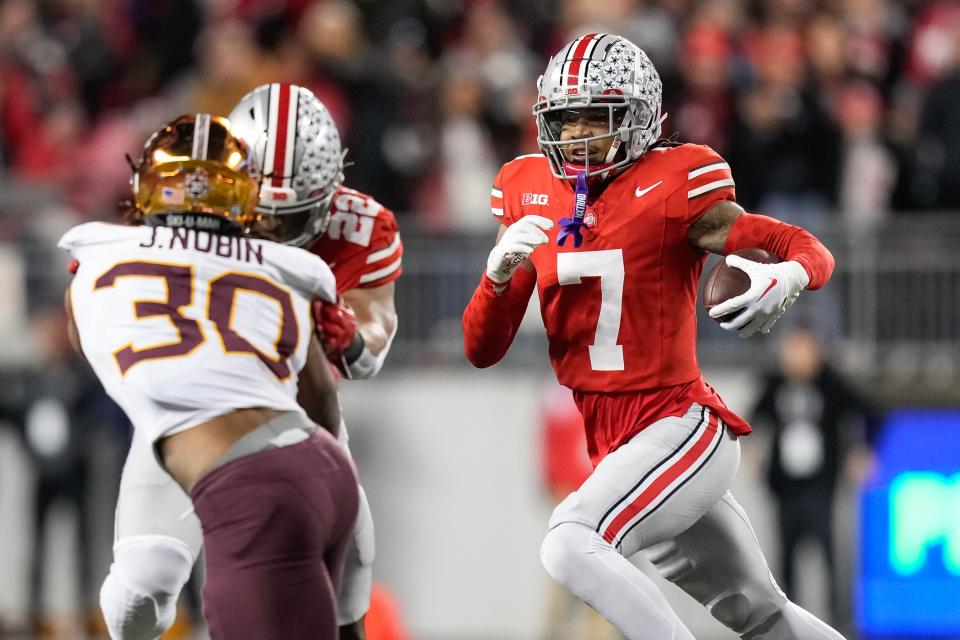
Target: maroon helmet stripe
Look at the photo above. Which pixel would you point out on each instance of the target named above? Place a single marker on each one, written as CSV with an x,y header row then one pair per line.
x,y
573,75
280,146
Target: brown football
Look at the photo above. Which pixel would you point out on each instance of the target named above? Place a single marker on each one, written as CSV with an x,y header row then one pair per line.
x,y
725,282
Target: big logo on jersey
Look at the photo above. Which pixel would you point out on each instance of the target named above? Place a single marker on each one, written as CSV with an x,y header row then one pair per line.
x,y
535,198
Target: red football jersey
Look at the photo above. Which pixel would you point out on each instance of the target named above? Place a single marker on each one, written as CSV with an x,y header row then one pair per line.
x,y
362,244
620,310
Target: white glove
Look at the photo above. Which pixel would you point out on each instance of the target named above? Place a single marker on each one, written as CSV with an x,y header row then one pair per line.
x,y
516,245
773,288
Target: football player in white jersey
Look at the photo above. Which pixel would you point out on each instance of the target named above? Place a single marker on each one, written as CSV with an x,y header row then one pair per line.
x,y
199,333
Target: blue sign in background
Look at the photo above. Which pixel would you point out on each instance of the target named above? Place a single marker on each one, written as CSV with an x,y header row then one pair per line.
x,y
909,583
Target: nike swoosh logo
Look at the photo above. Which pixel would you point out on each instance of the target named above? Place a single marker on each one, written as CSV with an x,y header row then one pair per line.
x,y
773,283
641,192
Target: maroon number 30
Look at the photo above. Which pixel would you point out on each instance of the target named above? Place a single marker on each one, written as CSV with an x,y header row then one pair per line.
x,y
178,280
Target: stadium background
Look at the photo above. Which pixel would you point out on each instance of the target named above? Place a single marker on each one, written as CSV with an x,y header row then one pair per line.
x,y
841,115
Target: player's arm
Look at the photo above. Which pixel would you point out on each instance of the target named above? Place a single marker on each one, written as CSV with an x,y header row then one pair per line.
x,y
317,392
710,232
358,330
376,325
376,315
356,333
725,227
493,315
72,332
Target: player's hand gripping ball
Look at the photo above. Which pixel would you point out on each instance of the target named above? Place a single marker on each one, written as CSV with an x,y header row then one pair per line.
x,y
750,289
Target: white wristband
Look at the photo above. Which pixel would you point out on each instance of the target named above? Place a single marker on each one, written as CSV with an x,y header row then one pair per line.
x,y
367,365
364,366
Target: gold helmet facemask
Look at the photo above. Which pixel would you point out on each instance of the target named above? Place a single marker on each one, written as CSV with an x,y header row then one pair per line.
x,y
194,172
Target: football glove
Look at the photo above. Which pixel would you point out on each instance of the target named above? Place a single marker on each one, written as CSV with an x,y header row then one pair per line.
x,y
336,328
516,245
773,288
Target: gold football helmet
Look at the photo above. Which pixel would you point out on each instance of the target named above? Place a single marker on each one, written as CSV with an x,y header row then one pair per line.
x,y
195,165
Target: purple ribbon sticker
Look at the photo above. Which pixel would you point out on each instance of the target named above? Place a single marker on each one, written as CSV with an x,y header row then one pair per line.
x,y
571,226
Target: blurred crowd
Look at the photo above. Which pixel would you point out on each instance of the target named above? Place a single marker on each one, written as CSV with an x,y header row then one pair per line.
x,y
828,111
821,106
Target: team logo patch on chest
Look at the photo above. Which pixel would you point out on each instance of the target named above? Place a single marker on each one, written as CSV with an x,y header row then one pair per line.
x,y
590,219
534,198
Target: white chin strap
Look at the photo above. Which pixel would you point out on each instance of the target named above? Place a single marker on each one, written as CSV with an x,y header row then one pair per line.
x,y
614,147
657,132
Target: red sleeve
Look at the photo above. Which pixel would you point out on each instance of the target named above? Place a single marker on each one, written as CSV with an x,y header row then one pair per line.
x,y
493,315
383,262
709,181
786,240
497,202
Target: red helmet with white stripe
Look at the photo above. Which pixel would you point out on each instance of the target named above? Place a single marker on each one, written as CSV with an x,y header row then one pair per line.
x,y
296,147
598,72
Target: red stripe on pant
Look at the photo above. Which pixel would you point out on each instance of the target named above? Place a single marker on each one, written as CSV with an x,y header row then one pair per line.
x,y
573,73
664,480
280,147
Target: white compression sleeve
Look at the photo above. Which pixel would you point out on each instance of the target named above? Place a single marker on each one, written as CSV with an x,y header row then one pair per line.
x,y
591,569
139,595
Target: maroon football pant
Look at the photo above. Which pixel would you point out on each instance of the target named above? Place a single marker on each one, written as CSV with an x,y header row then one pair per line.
x,y
275,528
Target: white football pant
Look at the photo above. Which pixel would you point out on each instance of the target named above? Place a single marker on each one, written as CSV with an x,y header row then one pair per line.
x,y
666,491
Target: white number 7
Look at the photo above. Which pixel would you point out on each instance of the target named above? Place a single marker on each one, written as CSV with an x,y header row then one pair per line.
x,y
605,353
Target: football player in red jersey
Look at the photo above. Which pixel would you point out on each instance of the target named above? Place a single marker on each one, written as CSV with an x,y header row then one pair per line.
x,y
296,145
613,226
360,241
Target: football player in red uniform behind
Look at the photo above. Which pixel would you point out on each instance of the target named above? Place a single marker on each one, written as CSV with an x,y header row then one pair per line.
x,y
361,243
613,225
296,147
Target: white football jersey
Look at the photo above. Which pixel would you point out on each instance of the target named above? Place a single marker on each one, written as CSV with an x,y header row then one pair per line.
x,y
182,325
